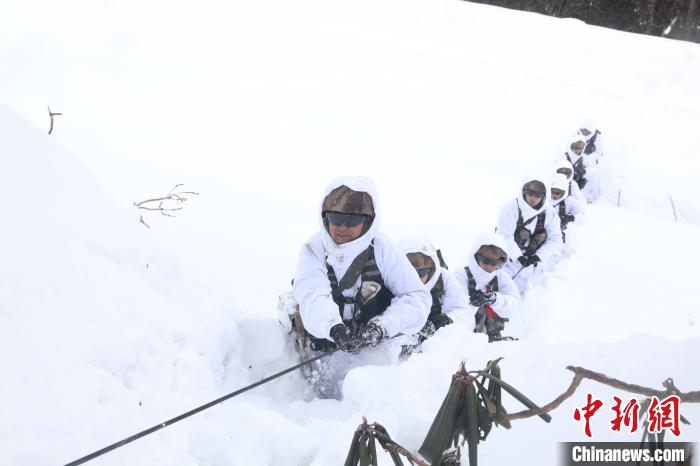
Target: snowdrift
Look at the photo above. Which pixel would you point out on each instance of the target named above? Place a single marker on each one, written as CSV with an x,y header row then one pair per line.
x,y
107,328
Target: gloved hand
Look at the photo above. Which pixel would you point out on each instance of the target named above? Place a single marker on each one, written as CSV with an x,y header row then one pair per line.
x,y
533,260
490,298
569,218
343,339
476,299
372,334
440,320
523,261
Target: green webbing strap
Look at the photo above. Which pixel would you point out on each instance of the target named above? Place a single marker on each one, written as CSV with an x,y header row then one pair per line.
x,y
355,269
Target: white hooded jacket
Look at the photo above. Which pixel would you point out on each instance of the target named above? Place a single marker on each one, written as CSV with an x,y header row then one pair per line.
x,y
570,155
593,157
454,298
571,205
573,189
508,296
409,309
508,222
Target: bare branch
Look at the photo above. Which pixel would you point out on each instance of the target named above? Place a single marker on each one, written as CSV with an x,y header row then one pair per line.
x,y
167,204
51,115
550,406
581,373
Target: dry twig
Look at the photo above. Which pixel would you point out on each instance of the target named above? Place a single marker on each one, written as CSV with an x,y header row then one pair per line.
x,y
51,115
580,373
167,204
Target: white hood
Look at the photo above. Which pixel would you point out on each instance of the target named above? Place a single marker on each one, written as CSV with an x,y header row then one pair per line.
x,y
423,245
340,255
528,211
574,158
481,276
590,126
559,181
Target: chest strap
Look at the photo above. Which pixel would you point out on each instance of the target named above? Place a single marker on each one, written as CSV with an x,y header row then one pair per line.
x,y
471,282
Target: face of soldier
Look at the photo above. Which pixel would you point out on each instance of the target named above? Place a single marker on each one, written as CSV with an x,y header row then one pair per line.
x,y
557,193
533,193
489,261
577,147
343,233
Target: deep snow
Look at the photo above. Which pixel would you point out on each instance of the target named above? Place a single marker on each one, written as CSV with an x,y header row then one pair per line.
x,y
107,328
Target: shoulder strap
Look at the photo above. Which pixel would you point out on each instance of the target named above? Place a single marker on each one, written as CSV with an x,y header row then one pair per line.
x,y
493,284
355,269
442,260
471,283
541,217
520,219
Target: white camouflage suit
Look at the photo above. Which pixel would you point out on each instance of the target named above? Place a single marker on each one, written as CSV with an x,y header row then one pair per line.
x,y
508,296
406,314
507,224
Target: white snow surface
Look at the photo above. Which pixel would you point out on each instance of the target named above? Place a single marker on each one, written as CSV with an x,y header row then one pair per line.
x,y
108,328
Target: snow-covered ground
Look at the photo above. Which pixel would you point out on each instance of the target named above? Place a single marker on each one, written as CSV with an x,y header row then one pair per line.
x,y
107,328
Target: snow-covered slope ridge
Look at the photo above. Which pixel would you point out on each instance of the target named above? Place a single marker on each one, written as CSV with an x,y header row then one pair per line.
x,y
107,328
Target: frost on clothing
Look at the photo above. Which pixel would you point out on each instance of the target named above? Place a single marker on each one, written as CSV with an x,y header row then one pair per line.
x,y
508,296
518,207
409,308
452,296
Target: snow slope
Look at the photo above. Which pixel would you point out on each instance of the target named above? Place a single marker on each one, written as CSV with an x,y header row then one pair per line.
x,y
107,328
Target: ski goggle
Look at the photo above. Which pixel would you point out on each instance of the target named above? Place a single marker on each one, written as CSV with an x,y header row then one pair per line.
x,y
557,193
564,171
350,220
534,192
424,272
481,259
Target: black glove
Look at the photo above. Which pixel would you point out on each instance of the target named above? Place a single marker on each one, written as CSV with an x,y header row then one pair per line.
x,y
344,339
490,298
476,298
569,218
440,320
533,260
523,261
372,334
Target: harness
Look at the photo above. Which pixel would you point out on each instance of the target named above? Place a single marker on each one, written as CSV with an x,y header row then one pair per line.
x,y
471,283
562,214
579,171
365,267
437,293
530,242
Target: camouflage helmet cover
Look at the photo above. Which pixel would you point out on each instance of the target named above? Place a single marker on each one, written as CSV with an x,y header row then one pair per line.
x,y
345,200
